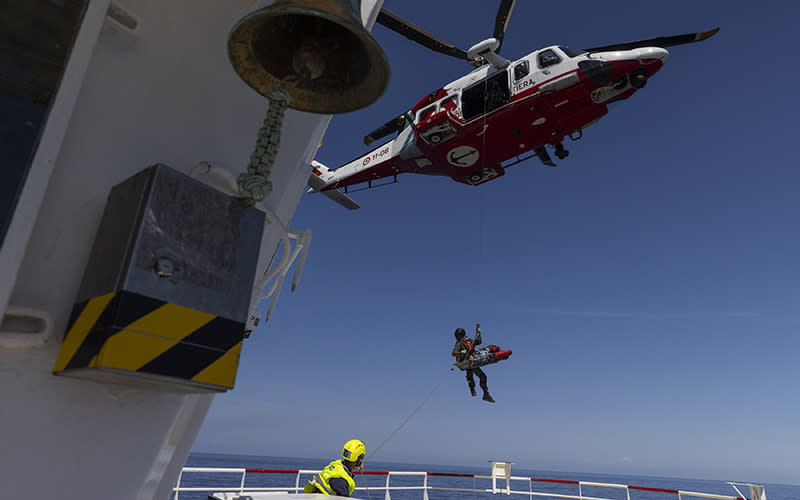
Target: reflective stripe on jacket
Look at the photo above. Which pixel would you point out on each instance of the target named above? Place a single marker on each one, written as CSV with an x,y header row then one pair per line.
x,y
321,481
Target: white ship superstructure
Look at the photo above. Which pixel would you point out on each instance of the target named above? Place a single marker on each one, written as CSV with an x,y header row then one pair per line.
x,y
144,83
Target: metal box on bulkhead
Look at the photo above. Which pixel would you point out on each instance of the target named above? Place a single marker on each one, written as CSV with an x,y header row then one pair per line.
x,y
165,295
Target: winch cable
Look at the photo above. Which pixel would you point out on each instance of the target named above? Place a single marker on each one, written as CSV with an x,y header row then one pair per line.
x,y
483,153
480,270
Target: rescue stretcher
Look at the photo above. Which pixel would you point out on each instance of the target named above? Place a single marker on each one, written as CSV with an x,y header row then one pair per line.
x,y
483,356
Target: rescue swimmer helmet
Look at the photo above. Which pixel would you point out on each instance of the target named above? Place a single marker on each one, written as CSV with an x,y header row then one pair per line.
x,y
354,451
460,333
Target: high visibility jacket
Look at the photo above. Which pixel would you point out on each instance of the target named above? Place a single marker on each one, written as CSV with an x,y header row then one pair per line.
x,y
320,483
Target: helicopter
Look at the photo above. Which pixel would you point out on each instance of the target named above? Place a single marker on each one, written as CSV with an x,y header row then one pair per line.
x,y
501,113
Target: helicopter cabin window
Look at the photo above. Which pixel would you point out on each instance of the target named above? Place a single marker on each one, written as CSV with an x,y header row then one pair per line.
x,y
36,38
548,58
485,96
521,70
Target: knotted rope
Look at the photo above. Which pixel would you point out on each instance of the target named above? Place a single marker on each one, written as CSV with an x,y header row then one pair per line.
x,y
254,185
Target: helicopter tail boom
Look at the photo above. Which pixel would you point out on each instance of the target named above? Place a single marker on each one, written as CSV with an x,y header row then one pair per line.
x,y
316,182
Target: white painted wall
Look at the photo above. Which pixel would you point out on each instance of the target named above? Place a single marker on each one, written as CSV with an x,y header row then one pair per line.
x,y
166,95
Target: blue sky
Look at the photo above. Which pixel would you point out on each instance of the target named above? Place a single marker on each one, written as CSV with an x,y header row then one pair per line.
x,y
648,285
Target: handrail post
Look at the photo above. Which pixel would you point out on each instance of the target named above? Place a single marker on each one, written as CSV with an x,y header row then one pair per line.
x,y
387,486
241,486
580,491
297,483
425,487
628,491
530,489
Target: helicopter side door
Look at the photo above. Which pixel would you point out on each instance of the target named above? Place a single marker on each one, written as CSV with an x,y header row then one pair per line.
x,y
486,95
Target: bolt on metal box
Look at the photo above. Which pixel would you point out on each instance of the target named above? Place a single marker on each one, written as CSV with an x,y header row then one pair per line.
x,y
165,295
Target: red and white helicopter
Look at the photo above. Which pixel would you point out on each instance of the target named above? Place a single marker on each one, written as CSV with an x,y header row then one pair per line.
x,y
503,112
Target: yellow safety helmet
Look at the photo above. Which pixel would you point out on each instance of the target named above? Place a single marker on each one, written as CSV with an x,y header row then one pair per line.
x,y
354,451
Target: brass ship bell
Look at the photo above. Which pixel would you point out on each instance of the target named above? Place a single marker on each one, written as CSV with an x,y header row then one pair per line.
x,y
318,50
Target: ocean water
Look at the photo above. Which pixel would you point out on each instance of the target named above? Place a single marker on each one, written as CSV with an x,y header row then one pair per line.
x,y
369,484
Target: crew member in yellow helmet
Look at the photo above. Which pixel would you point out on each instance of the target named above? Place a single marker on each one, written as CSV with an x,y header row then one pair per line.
x,y
337,477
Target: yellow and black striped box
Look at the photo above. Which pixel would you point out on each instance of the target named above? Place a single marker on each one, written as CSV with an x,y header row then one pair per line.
x,y
166,293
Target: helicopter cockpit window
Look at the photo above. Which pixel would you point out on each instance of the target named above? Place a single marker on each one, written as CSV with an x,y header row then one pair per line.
x,y
485,96
521,70
548,58
570,52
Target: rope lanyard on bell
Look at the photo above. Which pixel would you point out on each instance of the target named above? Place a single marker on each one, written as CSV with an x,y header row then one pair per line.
x,y
254,184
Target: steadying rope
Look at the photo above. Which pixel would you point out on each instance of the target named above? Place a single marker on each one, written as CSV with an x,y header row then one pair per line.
x,y
254,185
412,414
363,479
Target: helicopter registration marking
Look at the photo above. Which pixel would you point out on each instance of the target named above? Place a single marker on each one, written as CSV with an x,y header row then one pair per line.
x,y
376,155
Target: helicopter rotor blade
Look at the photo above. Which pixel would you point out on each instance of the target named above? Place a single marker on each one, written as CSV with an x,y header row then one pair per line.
x,y
394,125
662,41
417,34
501,22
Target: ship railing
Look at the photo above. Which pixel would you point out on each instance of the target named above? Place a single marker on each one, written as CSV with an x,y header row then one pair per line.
x,y
756,490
